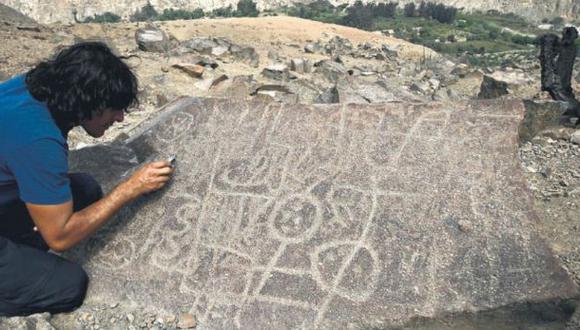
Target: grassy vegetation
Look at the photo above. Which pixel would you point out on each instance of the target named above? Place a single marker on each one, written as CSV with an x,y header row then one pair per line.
x,y
106,17
474,33
445,29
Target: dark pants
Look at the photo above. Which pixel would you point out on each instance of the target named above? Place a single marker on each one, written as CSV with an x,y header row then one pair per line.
x,y
31,279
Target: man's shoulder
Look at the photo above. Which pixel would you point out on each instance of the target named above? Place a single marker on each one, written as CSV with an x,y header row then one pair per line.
x,y
22,118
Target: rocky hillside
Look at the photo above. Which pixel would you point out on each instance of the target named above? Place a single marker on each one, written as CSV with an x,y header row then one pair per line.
x,y
62,11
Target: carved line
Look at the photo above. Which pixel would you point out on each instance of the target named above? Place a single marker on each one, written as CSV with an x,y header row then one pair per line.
x,y
340,274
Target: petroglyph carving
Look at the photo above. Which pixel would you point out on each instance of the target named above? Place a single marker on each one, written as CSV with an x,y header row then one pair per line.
x,y
292,217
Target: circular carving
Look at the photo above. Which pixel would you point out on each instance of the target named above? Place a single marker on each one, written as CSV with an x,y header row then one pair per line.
x,y
115,254
358,261
295,219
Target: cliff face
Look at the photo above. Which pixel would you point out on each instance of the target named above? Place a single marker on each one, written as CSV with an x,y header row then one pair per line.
x,y
50,11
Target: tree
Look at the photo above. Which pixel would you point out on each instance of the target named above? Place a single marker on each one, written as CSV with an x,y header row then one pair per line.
x,y
223,12
387,10
175,14
409,9
247,8
106,17
359,16
146,13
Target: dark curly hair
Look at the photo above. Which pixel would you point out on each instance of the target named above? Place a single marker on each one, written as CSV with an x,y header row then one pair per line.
x,y
82,80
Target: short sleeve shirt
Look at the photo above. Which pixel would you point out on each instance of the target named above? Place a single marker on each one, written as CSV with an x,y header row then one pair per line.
x,y
33,152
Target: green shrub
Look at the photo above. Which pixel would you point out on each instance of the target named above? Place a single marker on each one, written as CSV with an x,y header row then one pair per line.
x,y
223,12
175,14
359,15
106,17
523,40
409,9
146,13
317,10
247,8
387,10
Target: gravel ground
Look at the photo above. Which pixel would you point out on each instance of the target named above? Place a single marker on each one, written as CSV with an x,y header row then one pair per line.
x,y
552,168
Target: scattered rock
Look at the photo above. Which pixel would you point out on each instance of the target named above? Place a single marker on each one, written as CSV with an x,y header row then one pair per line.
x,y
421,87
272,55
575,138
328,97
186,321
219,50
330,70
276,88
238,88
278,71
390,51
492,88
310,48
201,45
461,70
557,133
305,89
194,70
218,80
34,321
246,55
301,65
539,116
502,83
434,83
465,226
152,39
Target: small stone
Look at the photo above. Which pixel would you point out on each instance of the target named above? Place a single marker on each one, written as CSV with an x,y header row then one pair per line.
x,y
130,318
186,321
531,169
195,70
575,138
546,172
465,226
114,305
171,319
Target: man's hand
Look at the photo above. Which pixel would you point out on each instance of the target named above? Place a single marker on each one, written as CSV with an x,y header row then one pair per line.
x,y
149,178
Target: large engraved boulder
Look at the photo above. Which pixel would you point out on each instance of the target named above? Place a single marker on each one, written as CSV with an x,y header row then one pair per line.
x,y
329,216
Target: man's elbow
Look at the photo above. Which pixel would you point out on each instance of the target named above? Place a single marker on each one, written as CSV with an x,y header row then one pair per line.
x,y
59,245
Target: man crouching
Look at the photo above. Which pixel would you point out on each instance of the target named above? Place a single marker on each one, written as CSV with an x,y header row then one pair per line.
x,y
42,206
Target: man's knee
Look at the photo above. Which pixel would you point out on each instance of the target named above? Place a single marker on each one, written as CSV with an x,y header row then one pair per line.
x,y
36,281
70,283
80,284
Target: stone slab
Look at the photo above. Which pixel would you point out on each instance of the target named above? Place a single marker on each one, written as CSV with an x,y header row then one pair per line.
x,y
328,216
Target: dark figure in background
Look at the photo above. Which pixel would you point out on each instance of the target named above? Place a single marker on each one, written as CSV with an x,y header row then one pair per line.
x,y
557,58
565,64
42,206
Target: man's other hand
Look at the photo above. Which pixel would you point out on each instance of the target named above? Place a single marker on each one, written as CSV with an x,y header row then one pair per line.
x,y
149,178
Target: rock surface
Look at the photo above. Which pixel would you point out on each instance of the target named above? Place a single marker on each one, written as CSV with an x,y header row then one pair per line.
x,y
329,216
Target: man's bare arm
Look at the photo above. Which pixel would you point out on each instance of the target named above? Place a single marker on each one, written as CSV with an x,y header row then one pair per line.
x,y
62,228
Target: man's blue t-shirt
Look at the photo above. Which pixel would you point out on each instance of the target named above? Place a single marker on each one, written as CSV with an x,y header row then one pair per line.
x,y
33,152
